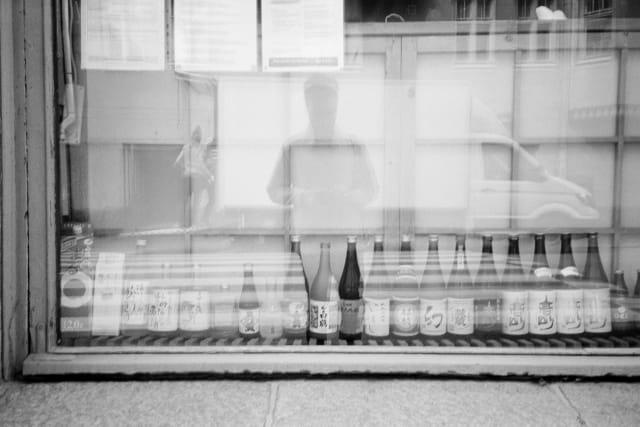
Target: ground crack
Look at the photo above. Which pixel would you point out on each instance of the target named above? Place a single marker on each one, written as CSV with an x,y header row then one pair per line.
x,y
273,404
558,390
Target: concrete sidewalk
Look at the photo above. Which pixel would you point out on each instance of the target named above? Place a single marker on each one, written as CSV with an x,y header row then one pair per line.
x,y
320,402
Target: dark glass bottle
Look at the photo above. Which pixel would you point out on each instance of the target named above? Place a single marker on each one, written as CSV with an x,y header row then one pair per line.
x,y
621,313
376,295
569,295
460,294
542,295
515,296
295,301
636,301
405,304
597,301
248,306
433,294
488,301
323,300
350,291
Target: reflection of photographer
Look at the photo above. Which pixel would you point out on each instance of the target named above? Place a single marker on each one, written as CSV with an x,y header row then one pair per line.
x,y
324,175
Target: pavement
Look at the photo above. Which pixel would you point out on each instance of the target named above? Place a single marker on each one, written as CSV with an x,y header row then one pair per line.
x,y
320,402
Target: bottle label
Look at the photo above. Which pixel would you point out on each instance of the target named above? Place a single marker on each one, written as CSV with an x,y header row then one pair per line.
x,y
295,316
323,316
249,320
223,316
570,271
134,304
194,310
433,316
515,319
542,272
488,314
351,316
404,316
621,315
542,312
162,315
570,311
597,310
460,316
376,317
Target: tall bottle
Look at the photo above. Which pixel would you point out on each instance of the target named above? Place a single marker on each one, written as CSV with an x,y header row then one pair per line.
x,y
248,306
621,314
542,295
376,295
460,290
635,302
405,303
194,317
133,320
433,294
597,301
515,297
295,249
350,291
162,314
324,299
270,311
295,300
569,295
488,301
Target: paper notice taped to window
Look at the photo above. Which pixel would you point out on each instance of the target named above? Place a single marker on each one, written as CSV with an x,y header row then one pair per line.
x,y
215,35
123,34
302,35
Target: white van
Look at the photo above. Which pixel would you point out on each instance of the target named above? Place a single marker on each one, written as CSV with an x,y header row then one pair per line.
x,y
488,179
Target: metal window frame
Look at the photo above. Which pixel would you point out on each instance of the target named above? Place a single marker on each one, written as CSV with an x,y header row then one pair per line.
x,y
32,241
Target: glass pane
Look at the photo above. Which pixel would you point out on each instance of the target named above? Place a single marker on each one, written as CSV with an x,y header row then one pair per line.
x,y
349,178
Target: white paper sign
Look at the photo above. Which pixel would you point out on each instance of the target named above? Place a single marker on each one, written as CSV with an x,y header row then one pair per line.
x,y
123,34
302,35
215,35
107,294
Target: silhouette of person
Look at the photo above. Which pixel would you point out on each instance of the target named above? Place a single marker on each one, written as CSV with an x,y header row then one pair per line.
x,y
325,176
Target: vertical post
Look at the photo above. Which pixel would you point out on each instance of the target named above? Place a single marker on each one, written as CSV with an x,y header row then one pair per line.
x,y
619,153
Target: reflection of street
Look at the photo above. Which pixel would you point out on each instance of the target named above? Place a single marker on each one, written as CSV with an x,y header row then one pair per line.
x,y
325,177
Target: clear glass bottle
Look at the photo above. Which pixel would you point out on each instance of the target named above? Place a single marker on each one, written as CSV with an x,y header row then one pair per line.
x,y
136,285
376,295
295,299
597,301
270,311
488,301
569,295
515,297
460,295
164,299
621,313
542,295
249,306
324,299
405,302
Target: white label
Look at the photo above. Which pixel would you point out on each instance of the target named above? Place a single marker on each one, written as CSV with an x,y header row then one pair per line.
x,y
405,314
249,320
376,317
162,315
570,271
460,316
597,310
542,312
295,315
107,296
223,315
570,311
323,316
515,318
433,316
543,272
134,304
194,310
620,312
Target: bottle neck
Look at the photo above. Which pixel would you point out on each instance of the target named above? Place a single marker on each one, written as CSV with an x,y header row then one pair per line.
x,y
540,254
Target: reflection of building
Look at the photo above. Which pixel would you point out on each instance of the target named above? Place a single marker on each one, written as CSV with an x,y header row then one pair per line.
x,y
450,10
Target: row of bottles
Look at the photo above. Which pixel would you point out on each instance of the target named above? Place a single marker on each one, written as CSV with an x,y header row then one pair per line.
x,y
395,302
390,300
159,307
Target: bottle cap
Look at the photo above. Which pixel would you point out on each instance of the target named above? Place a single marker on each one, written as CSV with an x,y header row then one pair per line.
x,y
378,238
295,238
406,238
433,237
351,239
